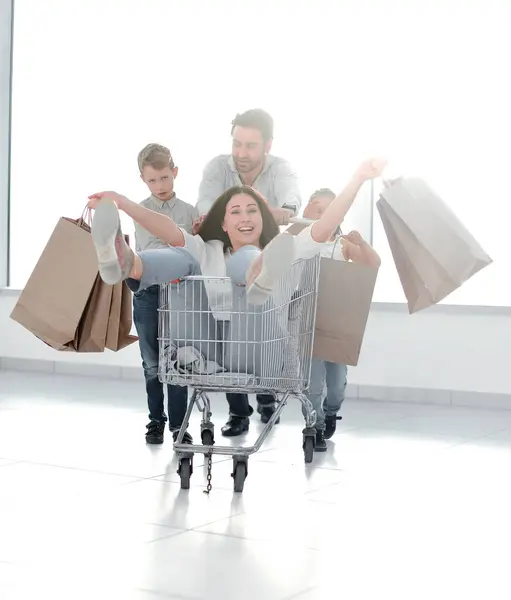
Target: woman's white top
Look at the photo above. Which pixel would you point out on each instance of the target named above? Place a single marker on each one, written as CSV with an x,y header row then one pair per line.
x,y
212,260
211,257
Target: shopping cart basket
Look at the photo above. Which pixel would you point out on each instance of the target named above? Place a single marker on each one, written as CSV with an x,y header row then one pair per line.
x,y
212,340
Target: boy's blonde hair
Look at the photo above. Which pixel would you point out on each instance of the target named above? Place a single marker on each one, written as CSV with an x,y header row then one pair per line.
x,y
156,156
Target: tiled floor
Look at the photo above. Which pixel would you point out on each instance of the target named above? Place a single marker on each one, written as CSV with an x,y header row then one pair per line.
x,y
410,502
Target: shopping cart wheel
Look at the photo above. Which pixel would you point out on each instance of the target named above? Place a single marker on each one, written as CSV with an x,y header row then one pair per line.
x,y
207,437
185,471
239,475
308,448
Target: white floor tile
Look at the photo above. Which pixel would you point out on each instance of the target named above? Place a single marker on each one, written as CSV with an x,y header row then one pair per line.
x,y
410,501
243,568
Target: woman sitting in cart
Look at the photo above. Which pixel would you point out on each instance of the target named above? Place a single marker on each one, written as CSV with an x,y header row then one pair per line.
x,y
239,238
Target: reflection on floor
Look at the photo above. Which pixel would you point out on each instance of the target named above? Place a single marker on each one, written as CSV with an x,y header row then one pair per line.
x,y
409,502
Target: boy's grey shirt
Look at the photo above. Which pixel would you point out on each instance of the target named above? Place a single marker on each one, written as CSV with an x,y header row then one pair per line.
x,y
182,213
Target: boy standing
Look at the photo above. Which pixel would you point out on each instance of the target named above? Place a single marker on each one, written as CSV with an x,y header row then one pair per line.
x,y
158,172
342,247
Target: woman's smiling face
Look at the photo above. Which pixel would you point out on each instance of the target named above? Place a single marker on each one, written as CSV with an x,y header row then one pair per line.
x,y
243,221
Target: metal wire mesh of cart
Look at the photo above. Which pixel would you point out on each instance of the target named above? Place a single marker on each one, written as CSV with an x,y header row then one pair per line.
x,y
211,337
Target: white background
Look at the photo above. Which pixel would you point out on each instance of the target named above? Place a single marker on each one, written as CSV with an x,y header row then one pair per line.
x,y
424,83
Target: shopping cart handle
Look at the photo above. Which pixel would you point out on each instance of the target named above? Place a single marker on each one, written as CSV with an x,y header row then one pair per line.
x,y
301,220
201,278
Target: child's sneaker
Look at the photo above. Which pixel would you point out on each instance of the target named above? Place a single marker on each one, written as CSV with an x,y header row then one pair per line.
x,y
187,438
155,431
266,411
320,442
331,425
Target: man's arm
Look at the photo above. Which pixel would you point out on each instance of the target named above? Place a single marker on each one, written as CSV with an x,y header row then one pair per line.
x,y
212,185
287,188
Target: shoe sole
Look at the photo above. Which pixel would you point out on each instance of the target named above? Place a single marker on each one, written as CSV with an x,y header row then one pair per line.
x,y
320,449
154,441
278,256
104,230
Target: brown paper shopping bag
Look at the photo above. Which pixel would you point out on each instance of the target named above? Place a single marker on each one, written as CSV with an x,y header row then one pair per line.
x,y
120,319
114,318
55,296
344,300
433,251
92,331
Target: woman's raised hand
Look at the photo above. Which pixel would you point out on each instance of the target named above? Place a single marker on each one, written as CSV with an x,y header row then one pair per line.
x,y
94,199
372,168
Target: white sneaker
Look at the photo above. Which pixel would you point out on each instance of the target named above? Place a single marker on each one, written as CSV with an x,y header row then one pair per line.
x,y
115,257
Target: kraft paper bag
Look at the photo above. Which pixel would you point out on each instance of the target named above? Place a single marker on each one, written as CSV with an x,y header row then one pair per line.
x,y
114,318
344,299
433,251
92,331
54,299
120,319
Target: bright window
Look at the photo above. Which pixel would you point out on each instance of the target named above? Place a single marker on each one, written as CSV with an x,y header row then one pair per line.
x,y
425,83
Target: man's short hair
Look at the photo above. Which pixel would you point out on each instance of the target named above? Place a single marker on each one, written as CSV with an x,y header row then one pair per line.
x,y
323,192
156,156
255,118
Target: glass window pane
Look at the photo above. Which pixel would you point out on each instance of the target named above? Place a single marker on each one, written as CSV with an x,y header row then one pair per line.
x,y
420,83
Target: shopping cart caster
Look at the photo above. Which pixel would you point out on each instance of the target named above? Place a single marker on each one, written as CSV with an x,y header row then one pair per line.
x,y
207,437
309,441
239,474
185,471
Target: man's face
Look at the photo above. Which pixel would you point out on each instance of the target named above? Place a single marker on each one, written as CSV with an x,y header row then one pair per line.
x,y
248,149
160,181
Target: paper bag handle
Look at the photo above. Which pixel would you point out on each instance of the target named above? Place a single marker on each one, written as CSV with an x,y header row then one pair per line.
x,y
86,217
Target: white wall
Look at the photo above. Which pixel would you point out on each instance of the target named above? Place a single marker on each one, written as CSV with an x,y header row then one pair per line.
x,y
444,348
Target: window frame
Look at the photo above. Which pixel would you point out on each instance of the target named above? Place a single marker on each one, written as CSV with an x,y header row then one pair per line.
x,y
6,49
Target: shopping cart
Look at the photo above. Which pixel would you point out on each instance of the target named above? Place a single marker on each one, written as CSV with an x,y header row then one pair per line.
x,y
212,340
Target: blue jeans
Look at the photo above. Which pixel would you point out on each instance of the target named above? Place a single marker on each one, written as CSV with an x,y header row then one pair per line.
x,y
145,316
334,375
169,264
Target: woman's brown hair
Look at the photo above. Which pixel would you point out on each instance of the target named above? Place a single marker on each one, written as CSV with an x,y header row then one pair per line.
x,y
211,227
